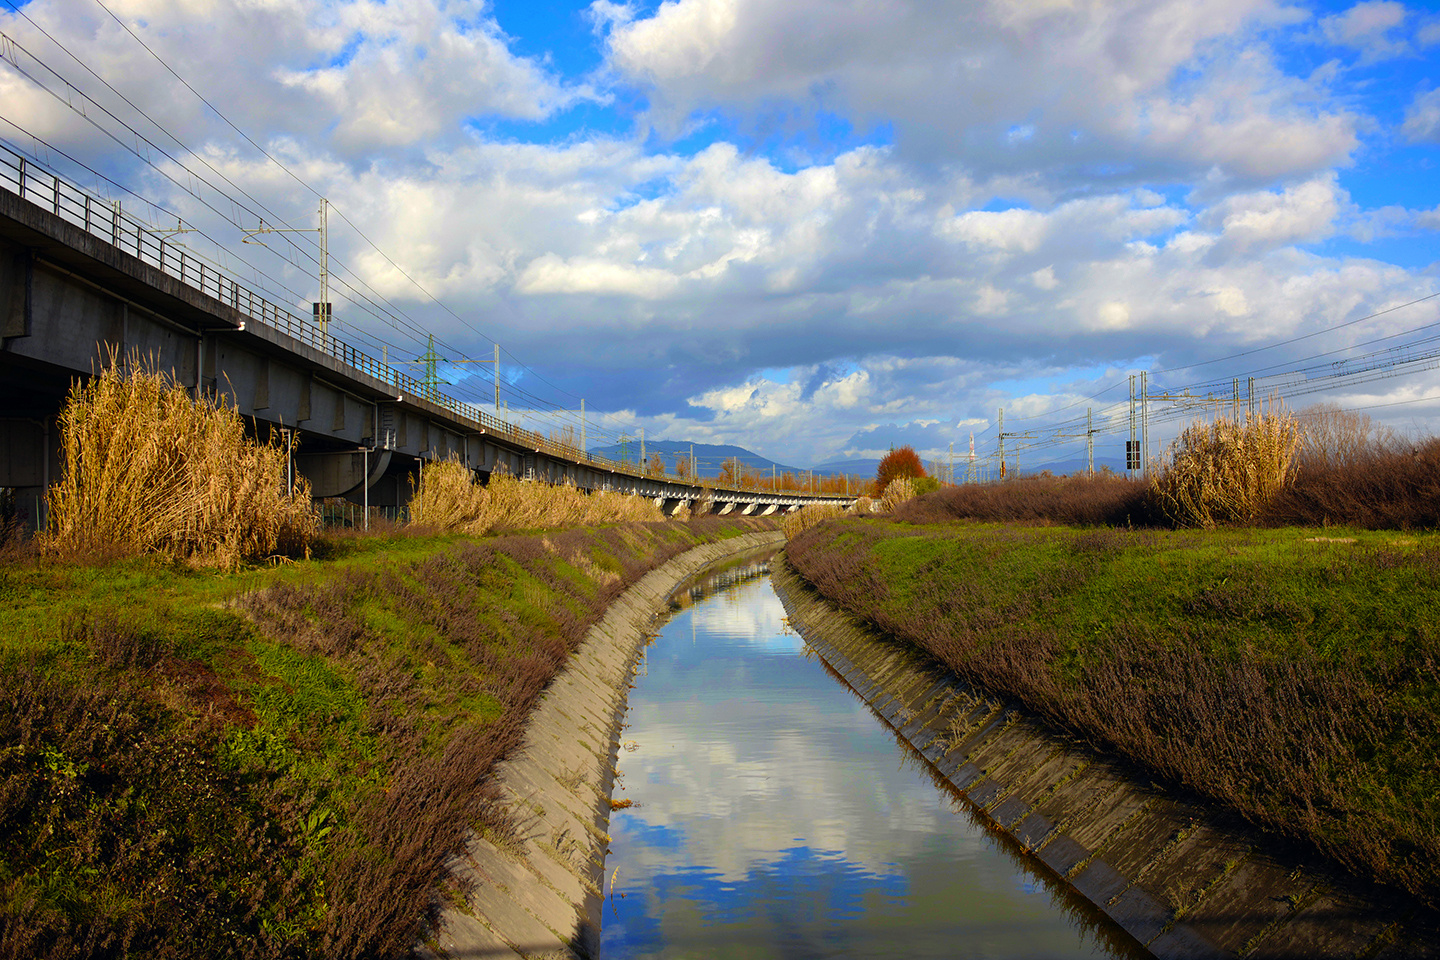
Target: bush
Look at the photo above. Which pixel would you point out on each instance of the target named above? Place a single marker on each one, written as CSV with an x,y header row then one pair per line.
x,y
1227,471
1331,437
902,462
148,469
1386,490
1078,501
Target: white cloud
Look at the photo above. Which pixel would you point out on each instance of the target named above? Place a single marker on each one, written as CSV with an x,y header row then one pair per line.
x,y
1368,27
1422,118
1015,230
1047,87
359,75
1255,222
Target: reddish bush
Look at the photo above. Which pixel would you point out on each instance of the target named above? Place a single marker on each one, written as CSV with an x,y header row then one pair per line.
x,y
900,462
1386,490
1075,501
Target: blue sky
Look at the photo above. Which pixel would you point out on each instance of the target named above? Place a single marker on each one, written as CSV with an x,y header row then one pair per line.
x,y
806,226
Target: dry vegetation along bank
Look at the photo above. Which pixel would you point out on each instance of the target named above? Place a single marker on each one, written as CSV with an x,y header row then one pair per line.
x,y
199,757
1290,674
275,762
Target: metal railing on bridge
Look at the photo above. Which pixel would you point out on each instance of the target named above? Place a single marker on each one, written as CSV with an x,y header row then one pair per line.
x,y
108,221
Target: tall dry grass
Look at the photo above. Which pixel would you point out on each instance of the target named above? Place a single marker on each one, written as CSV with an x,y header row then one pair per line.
x,y
897,491
448,498
806,517
1228,470
148,469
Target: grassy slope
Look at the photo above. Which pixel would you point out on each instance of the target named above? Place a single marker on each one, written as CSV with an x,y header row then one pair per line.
x,y
273,763
1296,681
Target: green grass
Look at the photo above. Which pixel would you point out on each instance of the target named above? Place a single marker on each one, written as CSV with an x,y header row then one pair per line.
x,y
274,762
1283,673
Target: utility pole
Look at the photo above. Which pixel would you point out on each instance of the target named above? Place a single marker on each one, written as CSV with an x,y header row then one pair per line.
x,y
320,309
1001,433
584,451
497,379
430,381
1131,460
1144,423
644,464
952,463
1022,435
1089,444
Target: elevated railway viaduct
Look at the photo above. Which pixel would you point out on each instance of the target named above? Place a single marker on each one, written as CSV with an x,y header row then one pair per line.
x,y
80,281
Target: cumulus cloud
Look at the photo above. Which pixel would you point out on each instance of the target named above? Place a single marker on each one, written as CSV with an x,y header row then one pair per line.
x,y
356,75
1256,222
1422,118
1044,86
1070,187
1369,28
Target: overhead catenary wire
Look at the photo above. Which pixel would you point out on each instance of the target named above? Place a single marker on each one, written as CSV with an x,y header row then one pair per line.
x,y
361,296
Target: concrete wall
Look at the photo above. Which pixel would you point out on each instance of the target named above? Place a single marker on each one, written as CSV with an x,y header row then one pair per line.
x,y
541,896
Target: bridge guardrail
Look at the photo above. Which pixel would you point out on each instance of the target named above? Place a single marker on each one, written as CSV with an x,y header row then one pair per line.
x,y
107,221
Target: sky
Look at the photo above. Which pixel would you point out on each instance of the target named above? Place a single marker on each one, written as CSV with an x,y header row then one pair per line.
x,y
813,228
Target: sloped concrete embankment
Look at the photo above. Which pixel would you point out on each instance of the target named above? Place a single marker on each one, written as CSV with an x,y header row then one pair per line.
x,y
538,894
1183,880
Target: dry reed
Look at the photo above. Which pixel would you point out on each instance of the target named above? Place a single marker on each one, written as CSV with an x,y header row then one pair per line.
x,y
896,492
148,469
1227,471
447,497
807,517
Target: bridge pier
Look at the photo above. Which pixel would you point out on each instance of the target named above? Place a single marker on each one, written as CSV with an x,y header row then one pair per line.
x,y
29,464
341,473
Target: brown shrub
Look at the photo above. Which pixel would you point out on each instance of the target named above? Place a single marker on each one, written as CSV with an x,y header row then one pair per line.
x,y
1075,501
148,469
897,492
807,517
1384,490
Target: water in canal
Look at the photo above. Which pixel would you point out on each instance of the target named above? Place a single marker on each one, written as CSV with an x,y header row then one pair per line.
x,y
775,816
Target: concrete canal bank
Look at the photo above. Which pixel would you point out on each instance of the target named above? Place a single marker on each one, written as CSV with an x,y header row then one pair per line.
x,y
1180,878
538,893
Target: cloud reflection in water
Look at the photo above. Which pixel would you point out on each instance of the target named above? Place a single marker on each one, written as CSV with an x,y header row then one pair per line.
x,y
775,816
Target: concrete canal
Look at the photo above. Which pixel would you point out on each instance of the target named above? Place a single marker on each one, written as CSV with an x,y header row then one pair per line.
x,y
775,815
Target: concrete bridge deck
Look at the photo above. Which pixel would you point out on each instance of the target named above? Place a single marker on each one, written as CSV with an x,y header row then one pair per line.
x,y
79,278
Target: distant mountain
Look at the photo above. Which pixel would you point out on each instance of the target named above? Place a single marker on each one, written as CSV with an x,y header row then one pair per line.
x,y
708,456
859,468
